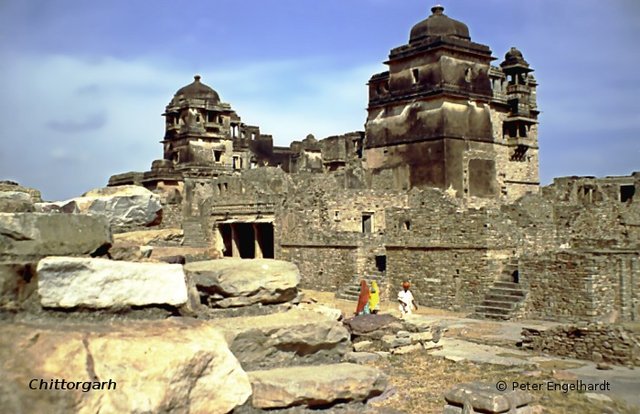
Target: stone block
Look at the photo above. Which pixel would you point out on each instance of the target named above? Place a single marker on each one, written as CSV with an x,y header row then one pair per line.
x,y
125,207
240,282
315,385
421,337
28,237
68,282
361,357
407,349
15,202
285,338
362,346
392,341
366,324
484,397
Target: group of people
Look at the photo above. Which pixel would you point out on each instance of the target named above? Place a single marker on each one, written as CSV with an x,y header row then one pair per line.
x,y
369,299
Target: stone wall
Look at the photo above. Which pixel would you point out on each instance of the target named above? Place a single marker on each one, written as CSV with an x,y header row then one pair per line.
x,y
441,278
450,254
582,286
615,344
576,261
171,216
326,268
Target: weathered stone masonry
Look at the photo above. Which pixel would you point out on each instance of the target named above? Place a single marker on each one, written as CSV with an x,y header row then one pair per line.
x,y
441,188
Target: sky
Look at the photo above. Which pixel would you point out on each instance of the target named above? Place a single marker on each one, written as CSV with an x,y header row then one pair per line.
x,y
84,83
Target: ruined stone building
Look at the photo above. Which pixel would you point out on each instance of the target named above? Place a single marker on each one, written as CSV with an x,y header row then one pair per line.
x,y
442,116
442,188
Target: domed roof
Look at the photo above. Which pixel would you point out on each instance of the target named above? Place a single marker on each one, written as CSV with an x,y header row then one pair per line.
x,y
514,58
197,90
439,25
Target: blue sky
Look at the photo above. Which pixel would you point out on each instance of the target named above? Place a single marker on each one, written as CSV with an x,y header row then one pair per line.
x,y
85,82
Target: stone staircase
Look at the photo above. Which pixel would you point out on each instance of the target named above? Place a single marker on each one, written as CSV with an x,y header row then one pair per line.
x,y
501,300
351,291
194,234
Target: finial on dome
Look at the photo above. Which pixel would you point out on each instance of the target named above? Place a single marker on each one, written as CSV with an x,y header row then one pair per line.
x,y
437,9
196,78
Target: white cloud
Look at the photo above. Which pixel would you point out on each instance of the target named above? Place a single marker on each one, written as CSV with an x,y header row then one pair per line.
x,y
77,121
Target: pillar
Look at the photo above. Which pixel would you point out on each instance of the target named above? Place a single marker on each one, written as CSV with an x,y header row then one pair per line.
x,y
235,248
257,240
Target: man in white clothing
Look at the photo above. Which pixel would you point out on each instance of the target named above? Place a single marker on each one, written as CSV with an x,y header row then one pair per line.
x,y
405,298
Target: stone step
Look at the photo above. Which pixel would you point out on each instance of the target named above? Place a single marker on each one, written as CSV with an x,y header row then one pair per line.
x,y
315,386
506,292
492,316
503,298
499,304
508,285
493,310
351,291
348,295
294,337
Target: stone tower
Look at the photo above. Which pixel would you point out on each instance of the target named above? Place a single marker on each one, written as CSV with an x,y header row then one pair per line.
x,y
443,117
198,128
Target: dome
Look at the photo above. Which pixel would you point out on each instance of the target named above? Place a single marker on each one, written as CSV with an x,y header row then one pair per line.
x,y
197,90
514,57
439,25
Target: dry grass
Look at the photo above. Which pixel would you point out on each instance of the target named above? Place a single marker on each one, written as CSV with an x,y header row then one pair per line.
x,y
420,381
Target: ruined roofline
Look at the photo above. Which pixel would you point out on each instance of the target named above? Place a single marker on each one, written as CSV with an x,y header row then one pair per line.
x,y
632,175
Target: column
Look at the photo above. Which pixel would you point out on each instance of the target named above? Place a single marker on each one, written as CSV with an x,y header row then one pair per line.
x,y
257,240
235,248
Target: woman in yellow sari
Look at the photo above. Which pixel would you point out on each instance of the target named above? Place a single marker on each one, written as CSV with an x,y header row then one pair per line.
x,y
374,298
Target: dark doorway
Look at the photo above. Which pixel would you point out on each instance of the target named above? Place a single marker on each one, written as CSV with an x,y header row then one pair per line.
x,y
265,239
381,263
245,238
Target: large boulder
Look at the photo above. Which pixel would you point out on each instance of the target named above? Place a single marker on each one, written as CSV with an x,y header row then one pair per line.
x,y
285,338
30,236
125,207
365,324
315,386
240,282
15,202
168,366
68,282
8,185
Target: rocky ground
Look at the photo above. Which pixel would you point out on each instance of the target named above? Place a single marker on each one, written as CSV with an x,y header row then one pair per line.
x,y
473,350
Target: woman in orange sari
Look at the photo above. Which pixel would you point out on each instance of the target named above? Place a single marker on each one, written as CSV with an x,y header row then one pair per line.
x,y
363,299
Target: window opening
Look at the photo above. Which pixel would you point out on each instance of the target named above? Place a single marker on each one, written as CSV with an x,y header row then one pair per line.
x,y
627,192
367,223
